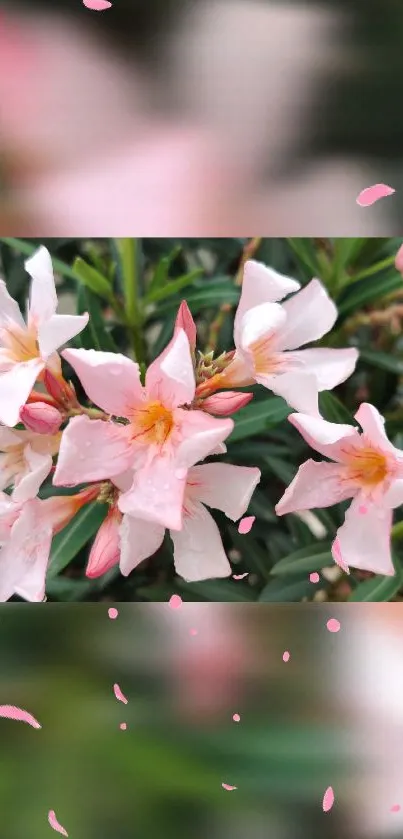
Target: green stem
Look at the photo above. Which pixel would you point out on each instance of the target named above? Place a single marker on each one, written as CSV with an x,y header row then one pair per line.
x,y
130,256
379,266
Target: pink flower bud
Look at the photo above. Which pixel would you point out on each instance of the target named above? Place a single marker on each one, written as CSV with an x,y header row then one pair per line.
x,y
60,509
225,403
105,552
61,391
41,418
185,321
399,260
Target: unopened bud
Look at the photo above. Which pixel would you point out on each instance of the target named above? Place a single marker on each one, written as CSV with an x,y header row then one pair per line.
x,y
41,418
62,392
225,403
105,552
185,321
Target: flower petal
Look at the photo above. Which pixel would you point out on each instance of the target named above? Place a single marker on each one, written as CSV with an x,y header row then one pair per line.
x,y
15,387
9,309
315,485
170,379
393,497
330,367
138,540
373,426
310,315
201,433
364,540
24,560
124,390
260,284
39,466
261,322
58,330
156,493
198,549
327,438
300,390
92,450
224,486
43,298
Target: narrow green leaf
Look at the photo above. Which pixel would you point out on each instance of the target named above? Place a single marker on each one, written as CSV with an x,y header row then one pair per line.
x,y
382,360
71,539
378,589
333,410
312,558
95,335
305,251
130,256
219,591
209,297
173,287
161,273
258,416
286,590
92,279
365,291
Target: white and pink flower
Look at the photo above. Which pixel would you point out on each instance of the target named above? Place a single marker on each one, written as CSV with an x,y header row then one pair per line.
x,y
267,336
25,461
367,468
26,349
163,436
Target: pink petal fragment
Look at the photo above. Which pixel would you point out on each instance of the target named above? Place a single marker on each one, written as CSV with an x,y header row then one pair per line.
x,y
113,613
314,577
328,800
193,631
373,193
395,808
240,576
236,718
11,712
97,5
123,726
246,524
55,824
333,625
286,656
119,695
227,786
175,601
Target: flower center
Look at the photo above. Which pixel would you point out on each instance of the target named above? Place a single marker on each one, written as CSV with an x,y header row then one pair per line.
x,y
153,424
21,344
265,360
367,467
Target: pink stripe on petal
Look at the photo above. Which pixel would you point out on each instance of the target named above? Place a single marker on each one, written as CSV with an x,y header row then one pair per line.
x,y
373,193
119,695
328,800
228,786
13,713
246,524
55,824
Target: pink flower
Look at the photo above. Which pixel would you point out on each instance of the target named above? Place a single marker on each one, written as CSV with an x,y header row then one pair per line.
x,y
105,551
26,461
26,532
366,468
185,321
198,549
267,335
27,348
41,418
162,439
225,403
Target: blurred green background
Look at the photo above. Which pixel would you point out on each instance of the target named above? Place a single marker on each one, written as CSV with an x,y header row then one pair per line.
x,y
162,776
132,290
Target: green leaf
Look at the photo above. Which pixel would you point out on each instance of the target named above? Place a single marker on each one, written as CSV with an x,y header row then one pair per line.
x,y
286,590
173,287
305,251
333,410
312,558
161,273
382,360
208,297
378,589
219,591
365,291
71,539
259,416
92,279
95,335
131,257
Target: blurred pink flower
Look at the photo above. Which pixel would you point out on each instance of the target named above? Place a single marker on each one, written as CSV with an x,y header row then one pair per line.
x,y
368,469
25,461
267,334
161,440
198,549
26,348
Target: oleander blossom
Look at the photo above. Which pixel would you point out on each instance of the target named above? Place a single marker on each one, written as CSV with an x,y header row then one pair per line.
x,y
26,349
368,469
267,336
198,550
26,459
162,438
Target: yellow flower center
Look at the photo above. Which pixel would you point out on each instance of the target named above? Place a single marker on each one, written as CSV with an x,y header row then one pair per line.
x,y
152,424
21,344
367,467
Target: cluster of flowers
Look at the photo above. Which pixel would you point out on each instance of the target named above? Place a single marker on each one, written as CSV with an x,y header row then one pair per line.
x,y
140,447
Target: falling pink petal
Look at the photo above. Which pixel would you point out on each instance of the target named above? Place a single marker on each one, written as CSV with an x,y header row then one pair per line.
x,y
246,524
373,193
123,726
314,577
395,808
286,656
228,786
236,718
55,824
13,713
113,613
119,695
175,601
193,631
240,576
97,5
328,800
333,625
